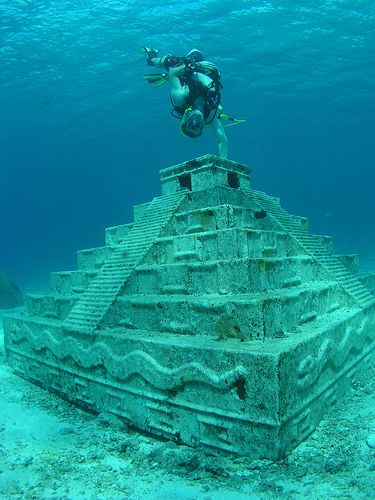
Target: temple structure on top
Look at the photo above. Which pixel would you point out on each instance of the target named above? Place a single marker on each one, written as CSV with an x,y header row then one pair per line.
x,y
214,318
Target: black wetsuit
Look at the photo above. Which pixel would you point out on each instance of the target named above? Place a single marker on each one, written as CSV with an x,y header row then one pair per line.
x,y
210,94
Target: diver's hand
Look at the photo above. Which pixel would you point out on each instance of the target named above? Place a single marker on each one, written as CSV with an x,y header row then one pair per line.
x,y
150,55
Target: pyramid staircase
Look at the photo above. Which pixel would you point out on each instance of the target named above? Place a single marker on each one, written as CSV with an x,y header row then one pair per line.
x,y
313,247
87,314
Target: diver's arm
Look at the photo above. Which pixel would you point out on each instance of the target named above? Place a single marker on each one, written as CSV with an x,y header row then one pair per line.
x,y
155,61
222,141
179,92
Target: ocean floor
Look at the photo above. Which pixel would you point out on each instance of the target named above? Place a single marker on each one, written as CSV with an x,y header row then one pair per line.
x,y
50,449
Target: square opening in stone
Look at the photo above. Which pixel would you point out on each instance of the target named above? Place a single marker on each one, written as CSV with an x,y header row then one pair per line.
x,y
185,181
233,180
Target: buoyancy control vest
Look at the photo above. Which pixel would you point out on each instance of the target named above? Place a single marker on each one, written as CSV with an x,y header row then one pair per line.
x,y
209,93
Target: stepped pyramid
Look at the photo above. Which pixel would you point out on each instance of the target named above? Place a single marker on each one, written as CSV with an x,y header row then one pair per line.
x,y
214,319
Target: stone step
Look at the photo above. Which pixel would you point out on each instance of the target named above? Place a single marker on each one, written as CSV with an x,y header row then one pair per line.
x,y
94,304
92,259
117,234
71,282
95,314
53,305
228,276
223,244
330,263
257,315
98,294
214,218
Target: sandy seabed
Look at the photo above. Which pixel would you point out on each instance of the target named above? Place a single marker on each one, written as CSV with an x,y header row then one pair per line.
x,y
50,449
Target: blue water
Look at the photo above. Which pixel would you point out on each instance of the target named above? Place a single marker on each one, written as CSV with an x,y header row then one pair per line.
x,y
83,136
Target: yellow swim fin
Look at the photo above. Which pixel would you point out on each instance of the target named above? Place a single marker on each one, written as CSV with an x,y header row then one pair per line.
x,y
235,121
156,79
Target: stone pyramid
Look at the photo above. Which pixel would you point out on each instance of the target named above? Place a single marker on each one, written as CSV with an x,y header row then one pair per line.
x,y
214,319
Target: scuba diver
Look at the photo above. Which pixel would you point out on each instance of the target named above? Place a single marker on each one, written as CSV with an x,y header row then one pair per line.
x,y
194,91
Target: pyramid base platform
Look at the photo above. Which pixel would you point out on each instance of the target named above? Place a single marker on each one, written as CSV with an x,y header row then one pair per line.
x,y
256,398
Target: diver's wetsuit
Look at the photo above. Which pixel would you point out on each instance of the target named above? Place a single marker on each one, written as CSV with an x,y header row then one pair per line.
x,y
210,93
